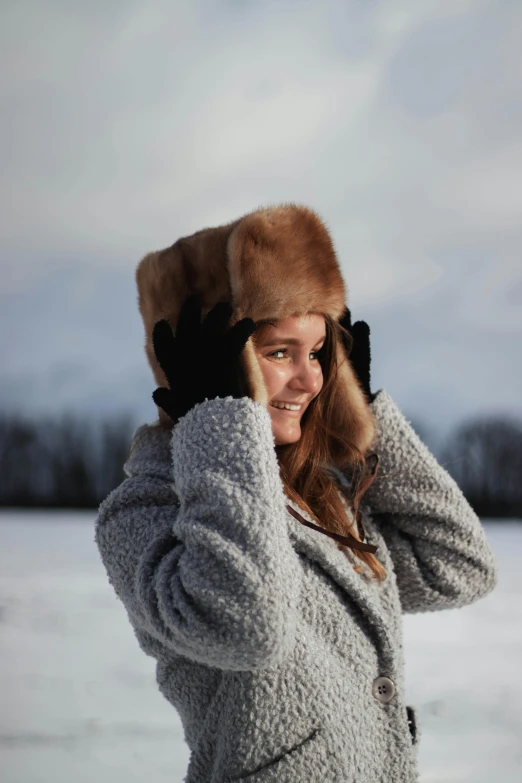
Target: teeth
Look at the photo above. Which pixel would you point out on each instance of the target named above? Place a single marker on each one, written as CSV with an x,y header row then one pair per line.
x,y
286,405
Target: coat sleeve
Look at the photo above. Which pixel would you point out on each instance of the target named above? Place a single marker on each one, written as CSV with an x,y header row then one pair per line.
x,y
437,543
204,564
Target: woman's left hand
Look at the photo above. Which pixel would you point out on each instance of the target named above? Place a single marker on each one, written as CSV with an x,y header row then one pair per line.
x,y
358,351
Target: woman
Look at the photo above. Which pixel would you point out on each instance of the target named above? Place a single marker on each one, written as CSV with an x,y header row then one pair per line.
x,y
238,541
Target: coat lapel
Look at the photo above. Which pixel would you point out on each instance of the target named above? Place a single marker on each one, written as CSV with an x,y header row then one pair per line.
x,y
338,566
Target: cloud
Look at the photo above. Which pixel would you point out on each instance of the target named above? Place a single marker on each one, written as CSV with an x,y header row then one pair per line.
x,y
127,125
132,123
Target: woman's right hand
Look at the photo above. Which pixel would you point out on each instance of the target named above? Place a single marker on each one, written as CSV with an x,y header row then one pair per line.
x,y
201,361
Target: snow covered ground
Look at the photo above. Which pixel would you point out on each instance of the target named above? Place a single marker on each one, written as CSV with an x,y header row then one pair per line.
x,y
78,700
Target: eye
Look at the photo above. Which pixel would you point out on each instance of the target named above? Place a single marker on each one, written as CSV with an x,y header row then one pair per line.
x,y
319,353
284,351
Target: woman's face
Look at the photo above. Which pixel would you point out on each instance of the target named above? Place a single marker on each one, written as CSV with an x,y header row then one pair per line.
x,y
287,354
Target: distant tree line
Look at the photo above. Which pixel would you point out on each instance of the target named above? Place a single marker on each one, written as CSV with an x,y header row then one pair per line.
x,y
72,462
66,462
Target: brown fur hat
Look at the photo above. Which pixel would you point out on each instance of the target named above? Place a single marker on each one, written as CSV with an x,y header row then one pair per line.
x,y
271,263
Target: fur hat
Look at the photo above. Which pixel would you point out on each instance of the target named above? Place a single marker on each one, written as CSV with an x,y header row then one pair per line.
x,y
271,263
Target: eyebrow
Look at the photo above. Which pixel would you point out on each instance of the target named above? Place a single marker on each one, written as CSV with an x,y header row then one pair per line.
x,y
290,341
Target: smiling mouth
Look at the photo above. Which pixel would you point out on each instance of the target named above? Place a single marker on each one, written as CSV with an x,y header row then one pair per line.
x,y
286,406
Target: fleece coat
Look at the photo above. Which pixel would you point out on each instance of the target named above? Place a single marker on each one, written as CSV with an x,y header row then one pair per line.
x,y
268,643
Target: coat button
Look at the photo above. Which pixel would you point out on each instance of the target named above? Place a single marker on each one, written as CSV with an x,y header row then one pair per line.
x,y
383,689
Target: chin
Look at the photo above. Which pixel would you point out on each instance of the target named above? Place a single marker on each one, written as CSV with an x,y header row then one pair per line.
x,y
286,438
285,432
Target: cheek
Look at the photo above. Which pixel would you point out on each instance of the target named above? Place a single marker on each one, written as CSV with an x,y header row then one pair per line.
x,y
320,381
274,376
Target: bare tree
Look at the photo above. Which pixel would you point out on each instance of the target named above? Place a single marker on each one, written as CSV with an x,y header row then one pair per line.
x,y
114,438
485,458
18,457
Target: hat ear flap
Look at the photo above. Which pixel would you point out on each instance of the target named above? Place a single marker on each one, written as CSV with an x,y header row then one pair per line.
x,y
253,374
353,415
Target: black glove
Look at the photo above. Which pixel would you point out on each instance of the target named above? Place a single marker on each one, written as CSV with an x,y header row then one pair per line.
x,y
202,360
359,352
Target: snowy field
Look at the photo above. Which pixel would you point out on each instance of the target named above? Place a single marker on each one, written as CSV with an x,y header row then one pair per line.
x,y
78,700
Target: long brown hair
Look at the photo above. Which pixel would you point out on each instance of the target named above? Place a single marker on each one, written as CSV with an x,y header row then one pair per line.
x,y
305,466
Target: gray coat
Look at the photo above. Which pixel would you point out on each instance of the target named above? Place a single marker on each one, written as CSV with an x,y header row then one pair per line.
x,y
283,663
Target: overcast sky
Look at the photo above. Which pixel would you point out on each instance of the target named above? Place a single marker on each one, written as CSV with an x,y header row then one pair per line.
x,y
128,124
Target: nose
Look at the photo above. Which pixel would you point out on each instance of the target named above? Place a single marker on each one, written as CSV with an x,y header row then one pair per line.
x,y
307,377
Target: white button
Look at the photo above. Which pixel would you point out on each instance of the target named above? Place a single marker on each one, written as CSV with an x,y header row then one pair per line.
x,y
383,689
